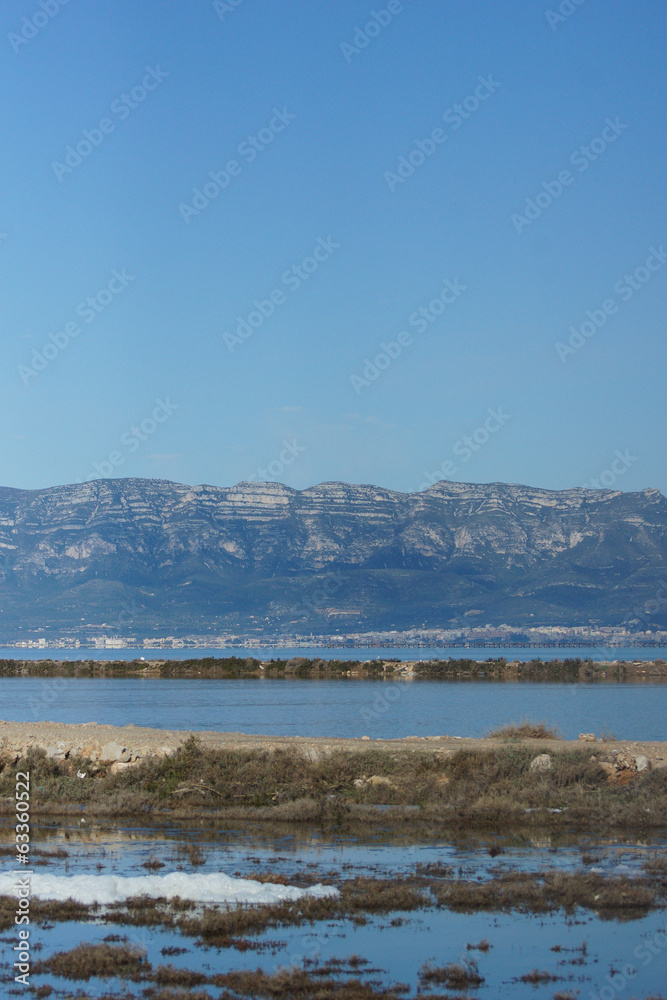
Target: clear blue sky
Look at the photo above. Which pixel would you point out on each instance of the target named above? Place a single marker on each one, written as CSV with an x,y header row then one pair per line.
x,y
338,116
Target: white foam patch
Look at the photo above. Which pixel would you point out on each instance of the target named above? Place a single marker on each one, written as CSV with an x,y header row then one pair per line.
x,y
214,887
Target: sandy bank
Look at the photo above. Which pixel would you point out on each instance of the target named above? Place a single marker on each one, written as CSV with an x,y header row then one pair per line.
x,y
127,744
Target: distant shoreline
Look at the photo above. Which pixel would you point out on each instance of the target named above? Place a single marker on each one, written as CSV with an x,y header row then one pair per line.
x,y
569,670
299,643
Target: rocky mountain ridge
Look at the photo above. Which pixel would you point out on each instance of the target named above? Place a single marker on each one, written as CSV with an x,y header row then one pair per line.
x,y
152,555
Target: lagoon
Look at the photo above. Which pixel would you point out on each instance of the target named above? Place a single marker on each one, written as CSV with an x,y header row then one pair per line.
x,y
339,708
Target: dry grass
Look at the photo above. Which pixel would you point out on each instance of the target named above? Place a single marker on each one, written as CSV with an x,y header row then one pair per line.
x,y
455,976
538,976
313,983
91,960
167,975
223,928
482,946
469,788
297,984
656,866
623,898
41,992
525,731
227,927
153,864
42,910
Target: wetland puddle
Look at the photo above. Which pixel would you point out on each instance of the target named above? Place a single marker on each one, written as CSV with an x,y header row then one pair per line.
x,y
578,954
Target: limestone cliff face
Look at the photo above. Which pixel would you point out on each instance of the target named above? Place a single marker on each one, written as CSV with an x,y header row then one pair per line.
x,y
193,558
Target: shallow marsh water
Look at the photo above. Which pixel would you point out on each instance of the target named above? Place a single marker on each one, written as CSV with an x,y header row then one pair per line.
x,y
287,850
580,949
396,946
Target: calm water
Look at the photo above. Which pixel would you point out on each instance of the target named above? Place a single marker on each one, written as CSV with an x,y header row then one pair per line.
x,y
377,652
340,707
395,951
289,850
394,948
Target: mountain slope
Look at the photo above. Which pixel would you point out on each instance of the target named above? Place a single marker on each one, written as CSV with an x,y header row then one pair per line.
x,y
151,555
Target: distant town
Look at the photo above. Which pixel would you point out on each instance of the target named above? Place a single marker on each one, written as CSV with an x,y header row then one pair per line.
x,y
505,636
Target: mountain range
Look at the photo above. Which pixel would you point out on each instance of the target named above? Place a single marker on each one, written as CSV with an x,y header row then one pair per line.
x,y
144,557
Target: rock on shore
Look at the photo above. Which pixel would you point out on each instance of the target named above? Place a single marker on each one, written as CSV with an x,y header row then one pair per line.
x,y
121,747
